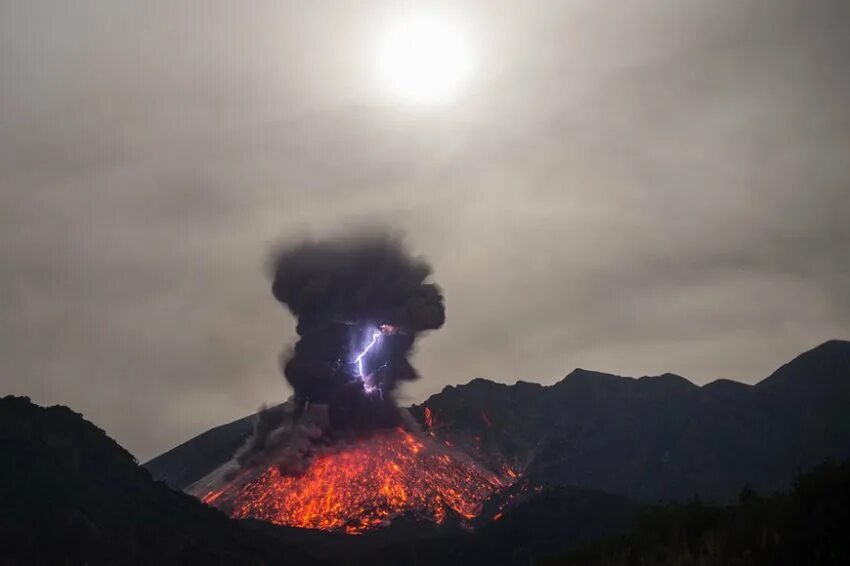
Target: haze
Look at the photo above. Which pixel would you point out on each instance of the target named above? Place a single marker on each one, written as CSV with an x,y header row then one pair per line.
x,y
635,187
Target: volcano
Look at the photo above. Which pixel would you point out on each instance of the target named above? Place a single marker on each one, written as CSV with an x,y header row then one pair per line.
x,y
363,485
341,455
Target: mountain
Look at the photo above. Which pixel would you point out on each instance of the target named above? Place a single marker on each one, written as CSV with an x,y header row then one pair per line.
x,y
69,494
808,525
183,465
656,437
662,437
549,522
544,522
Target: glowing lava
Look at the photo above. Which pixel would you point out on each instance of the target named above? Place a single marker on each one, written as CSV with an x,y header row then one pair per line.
x,y
366,484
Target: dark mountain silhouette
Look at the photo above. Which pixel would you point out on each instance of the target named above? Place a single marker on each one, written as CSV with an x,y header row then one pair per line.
x,y
192,460
808,525
656,437
662,437
549,522
544,523
70,495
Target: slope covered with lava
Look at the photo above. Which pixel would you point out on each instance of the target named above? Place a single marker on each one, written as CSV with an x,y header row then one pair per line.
x,y
651,438
365,484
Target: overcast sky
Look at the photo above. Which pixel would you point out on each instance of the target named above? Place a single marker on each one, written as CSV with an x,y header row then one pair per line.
x,y
633,187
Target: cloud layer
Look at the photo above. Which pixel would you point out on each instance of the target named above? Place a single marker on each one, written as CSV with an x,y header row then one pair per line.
x,y
639,188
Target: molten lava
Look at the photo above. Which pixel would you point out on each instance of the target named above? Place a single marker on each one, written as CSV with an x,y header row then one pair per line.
x,y
366,484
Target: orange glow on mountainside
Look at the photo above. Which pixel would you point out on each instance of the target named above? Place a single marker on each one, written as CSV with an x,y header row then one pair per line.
x,y
365,484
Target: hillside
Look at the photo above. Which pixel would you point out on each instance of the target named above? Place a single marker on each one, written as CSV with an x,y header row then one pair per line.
x,y
192,460
656,437
547,523
808,525
70,495
662,437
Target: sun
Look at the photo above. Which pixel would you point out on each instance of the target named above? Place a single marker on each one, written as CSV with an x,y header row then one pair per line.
x,y
424,57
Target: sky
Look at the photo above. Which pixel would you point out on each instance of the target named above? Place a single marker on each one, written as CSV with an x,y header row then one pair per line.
x,y
632,187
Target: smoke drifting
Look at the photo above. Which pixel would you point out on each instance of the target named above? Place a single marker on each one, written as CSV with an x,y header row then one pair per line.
x,y
338,454
360,303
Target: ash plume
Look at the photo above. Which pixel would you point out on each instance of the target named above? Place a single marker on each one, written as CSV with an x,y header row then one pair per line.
x,y
360,303
291,444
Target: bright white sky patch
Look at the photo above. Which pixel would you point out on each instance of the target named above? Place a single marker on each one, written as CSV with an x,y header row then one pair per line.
x,y
424,57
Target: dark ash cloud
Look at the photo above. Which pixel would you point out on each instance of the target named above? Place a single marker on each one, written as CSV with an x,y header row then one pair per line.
x,y
360,302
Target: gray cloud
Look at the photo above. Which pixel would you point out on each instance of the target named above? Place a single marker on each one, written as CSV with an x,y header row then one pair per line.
x,y
641,187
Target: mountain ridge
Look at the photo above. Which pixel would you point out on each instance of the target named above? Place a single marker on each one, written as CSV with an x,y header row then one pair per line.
x,y
652,437
70,494
830,348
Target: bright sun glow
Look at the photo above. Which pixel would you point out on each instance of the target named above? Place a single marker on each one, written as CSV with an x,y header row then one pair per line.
x,y
424,58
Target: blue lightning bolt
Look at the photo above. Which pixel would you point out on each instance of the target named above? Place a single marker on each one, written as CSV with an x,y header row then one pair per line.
x,y
361,373
359,359
368,387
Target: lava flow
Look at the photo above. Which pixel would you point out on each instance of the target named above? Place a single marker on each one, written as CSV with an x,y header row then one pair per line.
x,y
366,484
340,454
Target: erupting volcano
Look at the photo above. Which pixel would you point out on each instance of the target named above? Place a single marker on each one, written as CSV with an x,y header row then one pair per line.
x,y
341,455
366,485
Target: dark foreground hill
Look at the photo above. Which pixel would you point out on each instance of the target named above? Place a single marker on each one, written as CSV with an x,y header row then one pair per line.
x,y
543,522
809,525
806,526
70,495
652,438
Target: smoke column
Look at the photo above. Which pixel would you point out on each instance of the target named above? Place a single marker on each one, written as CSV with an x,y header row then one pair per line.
x,y
321,460
360,303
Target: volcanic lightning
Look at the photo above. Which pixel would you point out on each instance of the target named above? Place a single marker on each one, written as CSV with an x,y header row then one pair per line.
x,y
359,359
340,454
336,289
